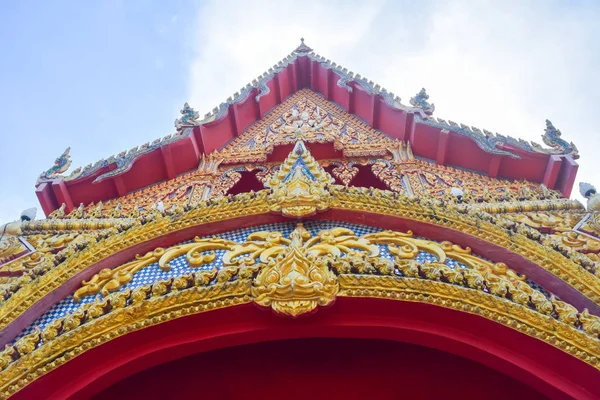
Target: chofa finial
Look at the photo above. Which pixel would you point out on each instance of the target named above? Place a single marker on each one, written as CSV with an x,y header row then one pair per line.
x,y
189,116
420,101
61,165
552,138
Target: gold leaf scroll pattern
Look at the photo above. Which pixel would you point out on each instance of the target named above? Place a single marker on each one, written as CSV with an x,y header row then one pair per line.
x,y
407,247
387,173
292,275
301,284
110,280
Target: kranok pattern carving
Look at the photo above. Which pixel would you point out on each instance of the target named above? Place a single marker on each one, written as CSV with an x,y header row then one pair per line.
x,y
294,276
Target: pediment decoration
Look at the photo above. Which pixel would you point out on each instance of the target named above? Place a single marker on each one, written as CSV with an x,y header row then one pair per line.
x,y
308,117
300,187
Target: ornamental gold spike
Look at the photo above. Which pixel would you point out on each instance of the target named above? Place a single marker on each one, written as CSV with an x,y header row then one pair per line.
x,y
300,187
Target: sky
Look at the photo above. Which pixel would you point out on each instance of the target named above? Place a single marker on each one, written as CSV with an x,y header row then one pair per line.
x,y
106,76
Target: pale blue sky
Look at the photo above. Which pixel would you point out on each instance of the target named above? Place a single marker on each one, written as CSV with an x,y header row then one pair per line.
x,y
106,76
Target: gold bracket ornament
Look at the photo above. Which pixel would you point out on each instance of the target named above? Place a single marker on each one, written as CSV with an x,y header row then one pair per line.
x,y
300,187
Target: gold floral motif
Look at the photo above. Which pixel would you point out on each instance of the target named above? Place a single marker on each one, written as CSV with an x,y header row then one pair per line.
x,y
306,116
388,175
577,241
292,283
344,171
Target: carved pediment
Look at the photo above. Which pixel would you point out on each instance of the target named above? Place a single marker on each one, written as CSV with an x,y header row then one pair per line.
x,y
308,117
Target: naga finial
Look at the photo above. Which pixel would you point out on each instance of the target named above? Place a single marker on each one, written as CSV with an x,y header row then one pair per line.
x,y
302,48
61,164
420,101
552,138
189,116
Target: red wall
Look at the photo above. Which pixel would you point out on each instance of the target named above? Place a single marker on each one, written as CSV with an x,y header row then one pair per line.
x,y
321,369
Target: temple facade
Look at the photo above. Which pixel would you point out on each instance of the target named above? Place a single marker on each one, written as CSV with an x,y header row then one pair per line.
x,y
312,236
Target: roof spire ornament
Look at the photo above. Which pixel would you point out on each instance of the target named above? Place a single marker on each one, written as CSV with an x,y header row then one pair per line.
x,y
302,49
552,138
420,101
61,165
189,116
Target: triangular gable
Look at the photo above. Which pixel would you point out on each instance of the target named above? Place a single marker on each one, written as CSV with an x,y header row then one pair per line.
x,y
306,116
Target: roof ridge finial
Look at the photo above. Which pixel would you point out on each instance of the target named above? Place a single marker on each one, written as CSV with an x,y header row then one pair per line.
x,y
303,48
552,138
420,101
189,116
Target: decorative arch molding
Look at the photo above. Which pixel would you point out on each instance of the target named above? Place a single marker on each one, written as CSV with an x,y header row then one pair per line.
x,y
115,353
482,232
553,322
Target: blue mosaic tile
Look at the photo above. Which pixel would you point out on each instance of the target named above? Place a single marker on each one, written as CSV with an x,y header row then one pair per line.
x,y
180,266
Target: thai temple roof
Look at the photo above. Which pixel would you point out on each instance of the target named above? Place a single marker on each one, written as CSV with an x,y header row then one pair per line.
x,y
311,190
443,142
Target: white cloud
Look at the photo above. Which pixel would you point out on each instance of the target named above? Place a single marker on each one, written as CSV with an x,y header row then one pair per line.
x,y
502,66
237,41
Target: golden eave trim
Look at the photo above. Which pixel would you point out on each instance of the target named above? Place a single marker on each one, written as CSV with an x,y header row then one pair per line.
x,y
523,206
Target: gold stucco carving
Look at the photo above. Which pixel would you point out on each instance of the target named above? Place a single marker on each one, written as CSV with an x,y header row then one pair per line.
x,y
289,273
299,188
122,235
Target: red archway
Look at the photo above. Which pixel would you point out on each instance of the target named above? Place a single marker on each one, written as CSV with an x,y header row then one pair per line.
x,y
322,368
533,363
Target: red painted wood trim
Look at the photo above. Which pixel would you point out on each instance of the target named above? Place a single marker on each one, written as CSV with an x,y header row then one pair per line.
x,y
198,147
494,167
167,157
258,111
278,89
233,117
351,98
61,192
552,169
376,111
408,133
293,71
314,77
45,196
328,84
570,172
442,148
120,185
